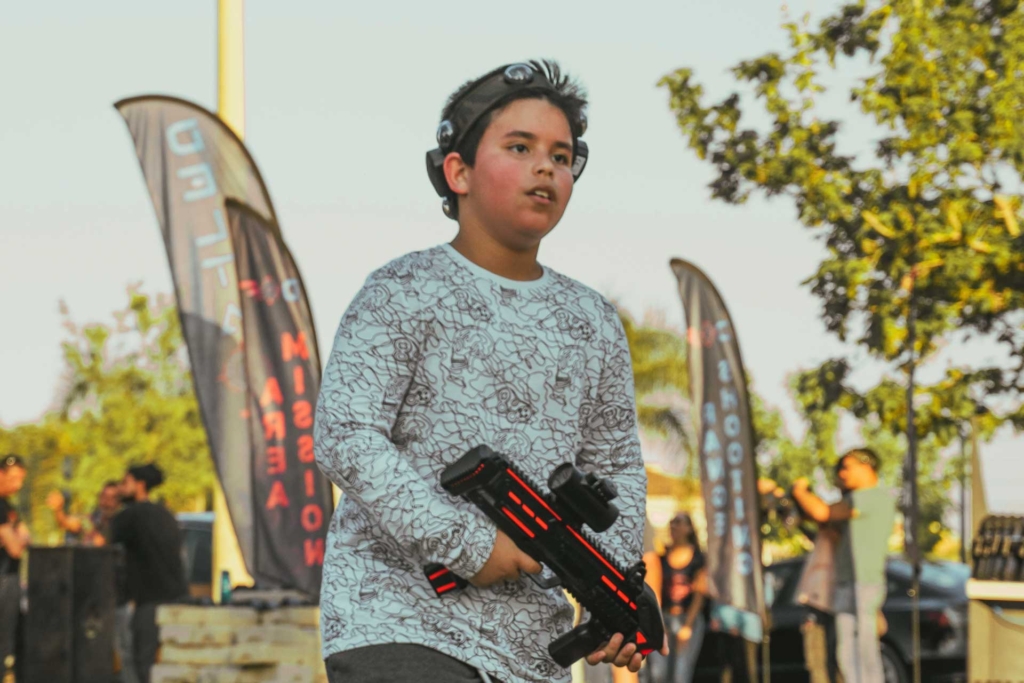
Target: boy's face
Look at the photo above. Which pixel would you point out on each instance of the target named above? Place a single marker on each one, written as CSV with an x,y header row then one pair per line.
x,y
522,180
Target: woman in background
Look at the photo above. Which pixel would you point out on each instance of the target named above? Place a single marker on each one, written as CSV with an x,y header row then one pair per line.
x,y
679,579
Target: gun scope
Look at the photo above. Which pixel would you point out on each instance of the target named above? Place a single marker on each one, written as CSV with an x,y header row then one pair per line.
x,y
586,496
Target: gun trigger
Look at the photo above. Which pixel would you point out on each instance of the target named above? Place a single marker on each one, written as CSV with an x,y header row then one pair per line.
x,y
544,583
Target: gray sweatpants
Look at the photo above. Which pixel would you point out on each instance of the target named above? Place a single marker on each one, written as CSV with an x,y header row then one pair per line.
x,y
857,646
400,663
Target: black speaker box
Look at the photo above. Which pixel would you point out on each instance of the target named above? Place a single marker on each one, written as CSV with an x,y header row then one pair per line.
x,y
69,628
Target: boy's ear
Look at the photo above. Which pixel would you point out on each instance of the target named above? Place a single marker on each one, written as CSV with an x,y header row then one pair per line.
x,y
456,172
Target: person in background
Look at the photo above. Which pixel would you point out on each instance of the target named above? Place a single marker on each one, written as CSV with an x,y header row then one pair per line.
x,y
864,518
815,591
679,579
14,541
92,530
816,585
154,570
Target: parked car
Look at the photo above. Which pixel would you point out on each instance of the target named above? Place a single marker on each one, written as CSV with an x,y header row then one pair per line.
x,y
943,620
197,551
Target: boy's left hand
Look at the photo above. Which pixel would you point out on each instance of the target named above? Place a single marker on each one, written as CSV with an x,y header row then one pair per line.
x,y
613,652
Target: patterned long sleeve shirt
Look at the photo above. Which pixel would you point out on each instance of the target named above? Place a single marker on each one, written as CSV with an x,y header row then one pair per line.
x,y
433,357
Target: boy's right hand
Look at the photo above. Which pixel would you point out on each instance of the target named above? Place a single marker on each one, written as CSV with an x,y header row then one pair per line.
x,y
505,563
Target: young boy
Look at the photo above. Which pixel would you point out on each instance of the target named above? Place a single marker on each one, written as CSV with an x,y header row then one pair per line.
x,y
470,343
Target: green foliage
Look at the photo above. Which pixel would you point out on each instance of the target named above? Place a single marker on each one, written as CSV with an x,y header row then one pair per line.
x,y
662,381
928,222
932,213
44,474
945,410
127,399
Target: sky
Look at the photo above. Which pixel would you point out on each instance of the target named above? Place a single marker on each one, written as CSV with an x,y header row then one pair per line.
x,y
342,101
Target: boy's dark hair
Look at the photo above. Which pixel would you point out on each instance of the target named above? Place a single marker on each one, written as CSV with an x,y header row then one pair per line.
x,y
568,95
110,484
150,475
862,455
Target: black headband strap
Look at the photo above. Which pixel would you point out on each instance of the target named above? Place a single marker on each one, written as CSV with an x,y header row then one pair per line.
x,y
480,99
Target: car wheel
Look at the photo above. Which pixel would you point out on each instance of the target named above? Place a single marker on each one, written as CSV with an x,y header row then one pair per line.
x,y
893,667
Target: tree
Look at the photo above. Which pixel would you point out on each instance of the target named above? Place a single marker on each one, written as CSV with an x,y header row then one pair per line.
x,y
662,379
933,205
925,226
824,395
662,383
127,399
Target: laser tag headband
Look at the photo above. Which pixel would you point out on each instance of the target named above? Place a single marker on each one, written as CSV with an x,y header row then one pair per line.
x,y
476,103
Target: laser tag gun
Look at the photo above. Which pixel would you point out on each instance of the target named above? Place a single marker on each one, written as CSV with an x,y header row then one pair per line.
x,y
549,529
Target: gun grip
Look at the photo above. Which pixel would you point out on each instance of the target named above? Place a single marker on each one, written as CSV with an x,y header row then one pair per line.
x,y
576,644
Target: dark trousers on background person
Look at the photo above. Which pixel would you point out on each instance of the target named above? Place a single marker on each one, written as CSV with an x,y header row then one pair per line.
x,y
400,663
145,639
10,613
819,636
738,659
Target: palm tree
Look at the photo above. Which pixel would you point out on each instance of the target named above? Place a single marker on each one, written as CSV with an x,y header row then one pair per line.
x,y
662,382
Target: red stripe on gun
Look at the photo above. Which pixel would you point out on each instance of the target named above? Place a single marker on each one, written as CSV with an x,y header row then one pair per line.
x,y
518,523
597,554
534,494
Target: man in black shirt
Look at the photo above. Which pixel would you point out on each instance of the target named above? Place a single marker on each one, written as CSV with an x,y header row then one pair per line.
x,y
14,540
154,570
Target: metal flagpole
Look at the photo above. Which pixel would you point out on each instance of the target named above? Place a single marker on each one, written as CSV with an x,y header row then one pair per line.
x,y
911,545
963,494
227,555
